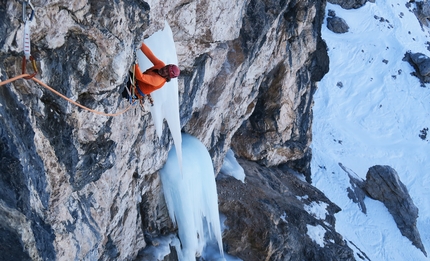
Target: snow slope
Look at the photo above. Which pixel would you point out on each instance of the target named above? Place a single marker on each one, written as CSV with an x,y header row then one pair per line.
x,y
369,111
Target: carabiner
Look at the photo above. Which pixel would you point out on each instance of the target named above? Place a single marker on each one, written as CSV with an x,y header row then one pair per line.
x,y
24,11
24,65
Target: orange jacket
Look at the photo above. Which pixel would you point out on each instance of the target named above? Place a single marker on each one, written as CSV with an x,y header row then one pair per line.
x,y
149,80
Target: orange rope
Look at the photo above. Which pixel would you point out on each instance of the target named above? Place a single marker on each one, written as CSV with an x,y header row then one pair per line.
x,y
62,96
13,79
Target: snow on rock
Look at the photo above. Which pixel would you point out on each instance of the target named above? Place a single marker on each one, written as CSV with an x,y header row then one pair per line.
x,y
317,209
421,63
316,233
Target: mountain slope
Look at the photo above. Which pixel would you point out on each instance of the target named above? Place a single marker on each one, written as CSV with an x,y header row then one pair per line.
x,y
369,110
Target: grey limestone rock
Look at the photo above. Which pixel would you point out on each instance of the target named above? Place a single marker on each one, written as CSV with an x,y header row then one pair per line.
x,y
350,4
78,186
421,10
383,184
337,25
271,209
422,61
421,64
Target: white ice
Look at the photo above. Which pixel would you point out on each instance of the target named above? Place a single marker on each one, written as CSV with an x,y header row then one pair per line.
x,y
231,167
166,101
192,198
374,119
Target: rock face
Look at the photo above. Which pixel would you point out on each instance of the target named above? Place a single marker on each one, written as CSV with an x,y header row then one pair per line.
x,y
278,130
350,4
276,212
79,186
421,10
421,63
383,184
336,24
274,56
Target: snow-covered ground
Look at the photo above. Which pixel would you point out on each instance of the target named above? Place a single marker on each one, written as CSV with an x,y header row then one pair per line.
x,y
369,111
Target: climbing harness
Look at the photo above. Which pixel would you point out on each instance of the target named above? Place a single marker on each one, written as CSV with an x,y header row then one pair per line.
x,y
26,39
133,96
139,95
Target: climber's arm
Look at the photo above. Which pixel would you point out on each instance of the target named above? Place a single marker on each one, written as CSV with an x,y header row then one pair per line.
x,y
148,53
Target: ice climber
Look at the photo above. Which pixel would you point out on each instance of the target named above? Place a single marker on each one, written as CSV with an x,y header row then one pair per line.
x,y
154,78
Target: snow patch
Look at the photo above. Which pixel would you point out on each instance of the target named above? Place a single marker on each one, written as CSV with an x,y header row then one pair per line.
x,y
318,210
284,217
303,197
316,233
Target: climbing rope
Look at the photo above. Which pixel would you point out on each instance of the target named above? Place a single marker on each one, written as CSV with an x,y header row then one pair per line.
x,y
27,56
28,76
